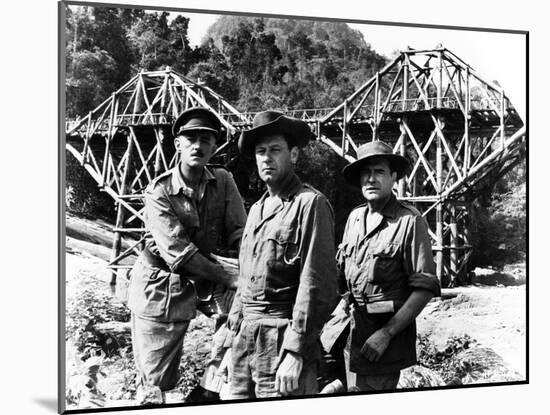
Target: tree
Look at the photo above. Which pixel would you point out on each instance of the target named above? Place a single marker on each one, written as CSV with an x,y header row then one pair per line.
x,y
149,37
212,68
181,53
99,56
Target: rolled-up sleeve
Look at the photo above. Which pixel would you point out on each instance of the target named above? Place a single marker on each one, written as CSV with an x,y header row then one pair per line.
x,y
169,234
422,272
317,290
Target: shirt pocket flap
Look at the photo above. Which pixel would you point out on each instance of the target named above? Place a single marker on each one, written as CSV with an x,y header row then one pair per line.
x,y
285,235
283,248
149,290
386,251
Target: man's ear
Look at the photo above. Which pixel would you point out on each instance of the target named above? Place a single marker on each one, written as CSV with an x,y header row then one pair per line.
x,y
177,143
294,153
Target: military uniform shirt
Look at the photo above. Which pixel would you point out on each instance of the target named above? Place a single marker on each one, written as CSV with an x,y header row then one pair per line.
x,y
381,269
181,222
287,263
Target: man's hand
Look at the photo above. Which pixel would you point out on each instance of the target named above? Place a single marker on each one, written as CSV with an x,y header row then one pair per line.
x,y
288,375
224,297
224,371
376,344
230,275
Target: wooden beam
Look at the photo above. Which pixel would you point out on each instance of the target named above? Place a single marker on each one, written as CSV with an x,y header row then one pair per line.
x,y
437,122
127,252
420,90
425,163
487,147
361,102
140,153
419,160
457,152
518,135
390,92
367,84
159,135
335,148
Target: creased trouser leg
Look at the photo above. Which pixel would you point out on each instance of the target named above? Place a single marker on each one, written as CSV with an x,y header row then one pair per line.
x,y
211,380
157,350
256,352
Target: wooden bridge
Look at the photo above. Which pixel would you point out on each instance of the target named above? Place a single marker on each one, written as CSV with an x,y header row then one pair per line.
x,y
459,130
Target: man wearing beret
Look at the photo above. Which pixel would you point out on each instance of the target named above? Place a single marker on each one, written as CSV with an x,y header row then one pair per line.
x,y
287,282
386,259
190,211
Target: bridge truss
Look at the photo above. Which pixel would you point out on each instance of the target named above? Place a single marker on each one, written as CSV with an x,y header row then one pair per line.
x,y
460,132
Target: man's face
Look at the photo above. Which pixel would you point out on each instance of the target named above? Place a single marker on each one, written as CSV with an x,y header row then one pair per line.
x,y
377,180
195,147
274,159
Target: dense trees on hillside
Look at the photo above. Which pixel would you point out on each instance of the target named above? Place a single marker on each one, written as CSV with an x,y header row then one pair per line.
x,y
254,63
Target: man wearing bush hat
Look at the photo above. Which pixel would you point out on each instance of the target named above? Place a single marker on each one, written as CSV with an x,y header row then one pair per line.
x,y
287,282
387,262
190,211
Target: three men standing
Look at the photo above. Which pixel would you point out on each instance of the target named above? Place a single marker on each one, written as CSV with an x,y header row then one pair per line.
x,y
287,282
190,210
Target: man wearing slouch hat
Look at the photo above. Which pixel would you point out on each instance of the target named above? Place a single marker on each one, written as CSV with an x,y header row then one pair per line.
x,y
287,283
387,262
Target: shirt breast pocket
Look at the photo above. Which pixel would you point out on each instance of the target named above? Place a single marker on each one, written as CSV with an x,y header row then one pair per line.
x,y
283,245
385,263
282,259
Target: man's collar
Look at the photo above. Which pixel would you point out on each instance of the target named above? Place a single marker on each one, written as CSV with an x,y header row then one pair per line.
x,y
291,185
178,183
390,208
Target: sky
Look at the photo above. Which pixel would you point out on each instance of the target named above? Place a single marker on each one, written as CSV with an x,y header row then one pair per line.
x,y
495,56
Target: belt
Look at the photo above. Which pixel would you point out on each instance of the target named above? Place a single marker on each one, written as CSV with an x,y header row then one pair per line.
x,y
256,311
385,306
154,260
377,307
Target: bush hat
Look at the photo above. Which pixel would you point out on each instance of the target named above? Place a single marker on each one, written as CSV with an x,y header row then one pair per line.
x,y
367,152
273,122
196,119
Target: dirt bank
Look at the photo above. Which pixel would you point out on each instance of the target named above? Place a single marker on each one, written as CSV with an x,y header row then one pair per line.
x,y
494,316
